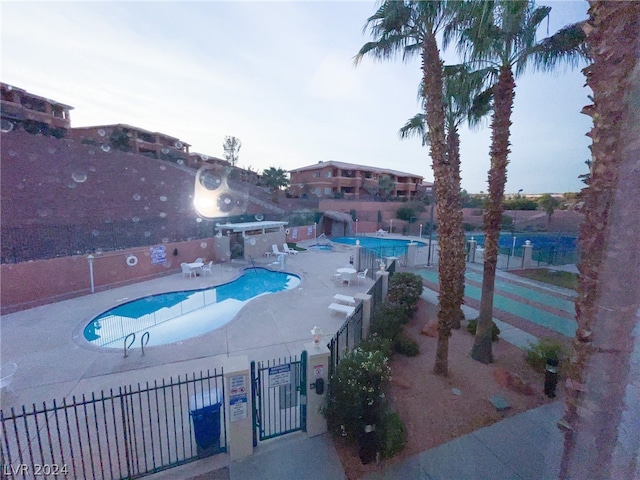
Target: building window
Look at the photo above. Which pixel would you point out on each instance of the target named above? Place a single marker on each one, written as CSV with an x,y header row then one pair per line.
x,y
327,190
316,174
328,174
318,191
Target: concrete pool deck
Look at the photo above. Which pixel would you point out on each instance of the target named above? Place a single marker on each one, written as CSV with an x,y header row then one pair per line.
x,y
52,364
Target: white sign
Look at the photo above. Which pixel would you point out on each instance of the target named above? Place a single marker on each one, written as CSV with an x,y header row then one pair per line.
x,y
280,375
238,385
318,370
238,407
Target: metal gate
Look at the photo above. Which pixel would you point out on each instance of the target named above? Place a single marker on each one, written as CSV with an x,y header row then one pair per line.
x,y
279,397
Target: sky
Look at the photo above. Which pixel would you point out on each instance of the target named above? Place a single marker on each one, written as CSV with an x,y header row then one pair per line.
x,y
279,75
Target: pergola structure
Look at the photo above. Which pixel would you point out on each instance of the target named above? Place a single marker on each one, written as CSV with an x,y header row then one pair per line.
x,y
263,226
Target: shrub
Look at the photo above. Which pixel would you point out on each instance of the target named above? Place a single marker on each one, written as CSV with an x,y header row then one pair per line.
x,y
392,434
375,343
473,324
405,289
537,354
406,346
387,320
356,390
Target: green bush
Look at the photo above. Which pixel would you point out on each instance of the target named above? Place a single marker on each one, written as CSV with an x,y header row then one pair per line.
x,y
473,324
405,289
537,354
376,343
387,320
406,346
392,434
357,390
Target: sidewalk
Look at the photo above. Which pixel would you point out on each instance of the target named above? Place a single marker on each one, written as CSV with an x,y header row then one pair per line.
x,y
527,446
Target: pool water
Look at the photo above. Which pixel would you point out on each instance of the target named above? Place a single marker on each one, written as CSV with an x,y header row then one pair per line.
x,y
321,247
388,247
176,316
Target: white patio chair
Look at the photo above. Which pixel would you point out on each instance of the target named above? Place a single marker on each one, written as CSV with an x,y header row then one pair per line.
x,y
362,275
199,260
276,252
289,251
187,271
208,269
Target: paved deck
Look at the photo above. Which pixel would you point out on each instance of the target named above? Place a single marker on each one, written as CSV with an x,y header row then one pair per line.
x,y
523,446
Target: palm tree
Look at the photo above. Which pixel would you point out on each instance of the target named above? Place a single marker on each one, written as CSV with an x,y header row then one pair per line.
x,y
465,100
501,36
410,28
275,179
599,415
386,184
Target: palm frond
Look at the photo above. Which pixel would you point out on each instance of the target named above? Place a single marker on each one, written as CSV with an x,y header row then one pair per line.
x,y
415,127
567,45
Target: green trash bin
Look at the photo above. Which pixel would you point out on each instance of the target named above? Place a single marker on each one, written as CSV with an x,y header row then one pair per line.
x,y
205,413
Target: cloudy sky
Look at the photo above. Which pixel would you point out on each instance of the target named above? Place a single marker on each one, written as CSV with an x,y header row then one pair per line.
x,y
280,76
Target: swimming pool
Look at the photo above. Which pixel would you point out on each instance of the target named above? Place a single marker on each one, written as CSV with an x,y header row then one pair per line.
x,y
322,247
386,247
176,316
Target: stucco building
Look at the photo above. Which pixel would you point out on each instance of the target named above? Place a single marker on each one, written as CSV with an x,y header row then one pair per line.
x,y
33,113
351,181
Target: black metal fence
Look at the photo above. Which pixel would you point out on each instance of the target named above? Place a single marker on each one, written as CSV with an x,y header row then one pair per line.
x,y
346,338
35,242
349,335
372,258
128,433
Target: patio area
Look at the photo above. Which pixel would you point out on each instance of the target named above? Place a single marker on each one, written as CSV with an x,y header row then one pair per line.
x,y
55,362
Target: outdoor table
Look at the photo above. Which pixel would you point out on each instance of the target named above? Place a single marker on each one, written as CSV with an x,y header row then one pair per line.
x,y
196,266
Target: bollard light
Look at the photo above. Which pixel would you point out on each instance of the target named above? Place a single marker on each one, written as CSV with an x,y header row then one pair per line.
x,y
551,377
90,259
317,333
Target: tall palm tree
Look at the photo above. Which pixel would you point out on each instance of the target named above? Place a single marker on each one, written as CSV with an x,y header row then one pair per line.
x,y
501,36
465,99
601,440
410,28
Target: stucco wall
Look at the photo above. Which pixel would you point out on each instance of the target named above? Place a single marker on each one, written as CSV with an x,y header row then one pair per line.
x,y
29,284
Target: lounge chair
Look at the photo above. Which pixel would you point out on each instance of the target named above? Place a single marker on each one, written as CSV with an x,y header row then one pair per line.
x,y
289,251
337,308
381,233
187,271
6,375
275,250
344,299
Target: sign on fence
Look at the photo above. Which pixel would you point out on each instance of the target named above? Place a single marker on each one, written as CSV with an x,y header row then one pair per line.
x,y
279,375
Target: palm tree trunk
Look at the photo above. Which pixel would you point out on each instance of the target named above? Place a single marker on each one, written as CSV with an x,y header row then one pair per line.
x,y
449,219
453,154
504,93
601,414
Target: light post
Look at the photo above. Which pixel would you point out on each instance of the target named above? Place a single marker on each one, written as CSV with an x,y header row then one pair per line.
x,y
420,235
515,215
391,226
356,227
90,259
315,233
